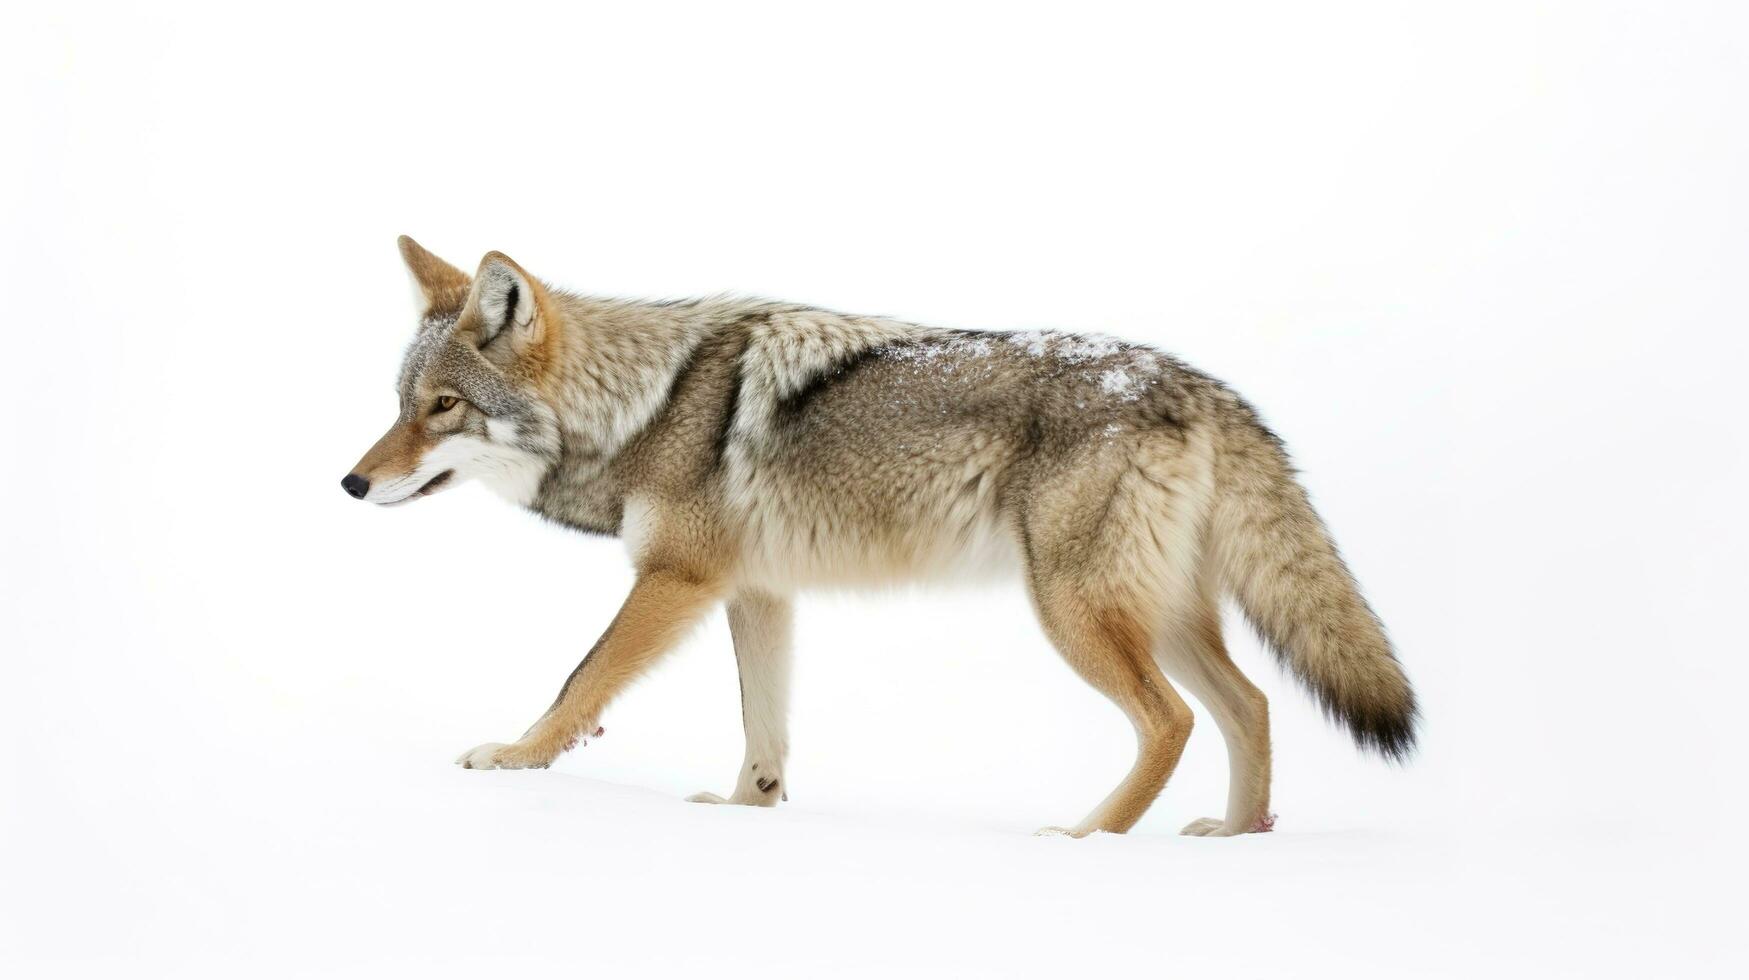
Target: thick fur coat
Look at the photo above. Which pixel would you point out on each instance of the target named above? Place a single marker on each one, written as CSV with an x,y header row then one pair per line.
x,y
747,450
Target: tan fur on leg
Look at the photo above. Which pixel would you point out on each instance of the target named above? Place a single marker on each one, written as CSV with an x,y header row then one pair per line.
x,y
1193,654
661,606
1109,648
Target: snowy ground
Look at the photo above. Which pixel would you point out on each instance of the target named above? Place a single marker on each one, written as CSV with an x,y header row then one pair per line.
x,y
379,865
1480,265
330,858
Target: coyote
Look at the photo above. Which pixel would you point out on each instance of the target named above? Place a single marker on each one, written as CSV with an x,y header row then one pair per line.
x,y
745,450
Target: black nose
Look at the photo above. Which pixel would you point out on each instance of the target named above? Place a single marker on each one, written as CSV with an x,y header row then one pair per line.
x,y
356,485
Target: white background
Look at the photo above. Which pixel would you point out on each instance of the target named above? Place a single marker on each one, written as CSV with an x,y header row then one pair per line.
x,y
1482,265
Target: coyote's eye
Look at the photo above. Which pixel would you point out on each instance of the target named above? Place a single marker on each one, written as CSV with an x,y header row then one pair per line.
x,y
444,404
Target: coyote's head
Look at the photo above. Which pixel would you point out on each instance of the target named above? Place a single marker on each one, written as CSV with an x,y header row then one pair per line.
x,y
470,388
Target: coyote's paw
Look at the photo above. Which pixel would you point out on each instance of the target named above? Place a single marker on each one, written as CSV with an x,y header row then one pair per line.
x,y
497,755
1210,827
1075,832
1205,827
739,799
528,753
753,791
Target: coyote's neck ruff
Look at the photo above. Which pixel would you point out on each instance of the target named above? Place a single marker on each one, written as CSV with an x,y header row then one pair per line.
x,y
746,450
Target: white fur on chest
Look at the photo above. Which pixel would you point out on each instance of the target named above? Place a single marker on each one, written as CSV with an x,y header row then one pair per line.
x,y
513,474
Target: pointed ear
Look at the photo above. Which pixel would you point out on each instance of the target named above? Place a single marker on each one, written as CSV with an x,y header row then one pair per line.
x,y
506,301
443,286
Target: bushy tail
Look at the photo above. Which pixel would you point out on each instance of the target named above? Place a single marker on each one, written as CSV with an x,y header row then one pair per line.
x,y
1277,559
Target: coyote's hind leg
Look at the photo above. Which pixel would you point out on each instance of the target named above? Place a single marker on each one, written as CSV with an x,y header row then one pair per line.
x,y
1110,648
1192,654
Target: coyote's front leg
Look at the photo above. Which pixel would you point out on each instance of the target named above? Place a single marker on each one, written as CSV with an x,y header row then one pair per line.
x,y
661,607
760,626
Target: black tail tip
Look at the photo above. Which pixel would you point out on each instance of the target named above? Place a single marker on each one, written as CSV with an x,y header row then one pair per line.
x,y
1389,732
